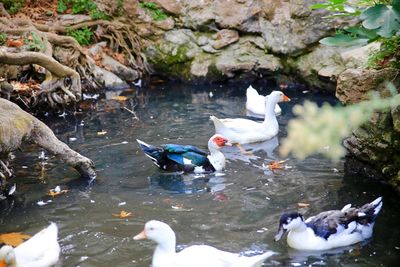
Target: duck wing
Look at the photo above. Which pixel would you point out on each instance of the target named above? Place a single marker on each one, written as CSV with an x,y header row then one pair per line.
x,y
186,154
331,222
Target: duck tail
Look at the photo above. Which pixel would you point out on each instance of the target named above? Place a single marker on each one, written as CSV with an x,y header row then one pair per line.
x,y
251,93
370,210
253,261
218,124
150,151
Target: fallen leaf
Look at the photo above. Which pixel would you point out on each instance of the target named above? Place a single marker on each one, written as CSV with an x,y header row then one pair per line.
x,y
275,165
14,43
303,205
13,239
57,193
123,214
119,98
102,133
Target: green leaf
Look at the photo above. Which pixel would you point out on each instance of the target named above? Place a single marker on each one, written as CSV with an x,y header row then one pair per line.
x,y
391,24
362,32
374,17
343,40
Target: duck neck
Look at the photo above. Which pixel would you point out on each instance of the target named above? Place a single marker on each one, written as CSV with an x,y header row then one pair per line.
x,y
270,117
216,158
300,228
166,246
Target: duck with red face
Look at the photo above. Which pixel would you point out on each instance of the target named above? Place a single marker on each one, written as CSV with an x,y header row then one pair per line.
x,y
187,158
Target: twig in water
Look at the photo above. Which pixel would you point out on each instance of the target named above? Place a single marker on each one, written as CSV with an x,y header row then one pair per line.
x,y
135,117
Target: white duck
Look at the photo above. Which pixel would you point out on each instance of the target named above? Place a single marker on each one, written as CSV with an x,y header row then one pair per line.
x,y
255,104
41,250
193,256
330,229
245,131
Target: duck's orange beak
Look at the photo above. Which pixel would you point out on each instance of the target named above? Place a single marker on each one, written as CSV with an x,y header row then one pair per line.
x,y
285,98
141,235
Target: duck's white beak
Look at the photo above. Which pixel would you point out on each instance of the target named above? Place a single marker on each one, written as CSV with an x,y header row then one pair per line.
x,y
141,235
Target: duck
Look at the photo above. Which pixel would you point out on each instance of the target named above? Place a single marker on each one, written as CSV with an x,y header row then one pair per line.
x,y
165,254
255,104
187,158
244,131
41,250
330,229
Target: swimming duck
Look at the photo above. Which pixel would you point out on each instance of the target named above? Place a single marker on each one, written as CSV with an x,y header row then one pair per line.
x,y
194,256
188,158
245,131
255,104
329,229
41,250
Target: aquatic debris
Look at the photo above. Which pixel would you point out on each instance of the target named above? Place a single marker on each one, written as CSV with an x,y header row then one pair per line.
x,y
276,165
72,139
180,207
123,214
102,133
57,191
42,203
119,98
303,205
13,239
121,204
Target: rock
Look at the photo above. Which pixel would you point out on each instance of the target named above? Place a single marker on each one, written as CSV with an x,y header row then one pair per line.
x,y
353,85
224,38
165,24
357,57
119,69
246,57
108,79
171,6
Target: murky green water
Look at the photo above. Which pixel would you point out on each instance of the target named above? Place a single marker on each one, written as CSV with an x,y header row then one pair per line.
x,y
235,212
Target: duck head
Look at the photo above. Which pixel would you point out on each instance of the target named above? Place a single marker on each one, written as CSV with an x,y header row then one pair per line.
x,y
289,221
277,97
159,232
217,141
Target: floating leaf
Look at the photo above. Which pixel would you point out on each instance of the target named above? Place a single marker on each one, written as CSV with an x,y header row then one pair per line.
x,y
119,98
275,165
55,193
303,205
123,214
13,239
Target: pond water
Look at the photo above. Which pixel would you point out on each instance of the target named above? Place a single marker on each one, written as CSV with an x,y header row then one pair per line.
x,y
236,212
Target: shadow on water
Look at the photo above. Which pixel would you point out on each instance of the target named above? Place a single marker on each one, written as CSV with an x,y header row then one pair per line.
x,y
238,211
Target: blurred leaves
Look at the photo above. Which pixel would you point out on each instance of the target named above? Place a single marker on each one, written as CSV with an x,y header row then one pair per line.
x,y
321,130
13,239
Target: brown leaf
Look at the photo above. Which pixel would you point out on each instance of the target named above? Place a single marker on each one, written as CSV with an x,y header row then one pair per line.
x,y
54,193
303,205
123,214
14,43
13,239
119,98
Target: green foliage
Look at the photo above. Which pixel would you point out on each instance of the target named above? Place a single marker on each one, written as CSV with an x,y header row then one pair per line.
x,y
34,42
387,56
83,36
156,13
321,130
380,21
81,7
3,38
13,6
